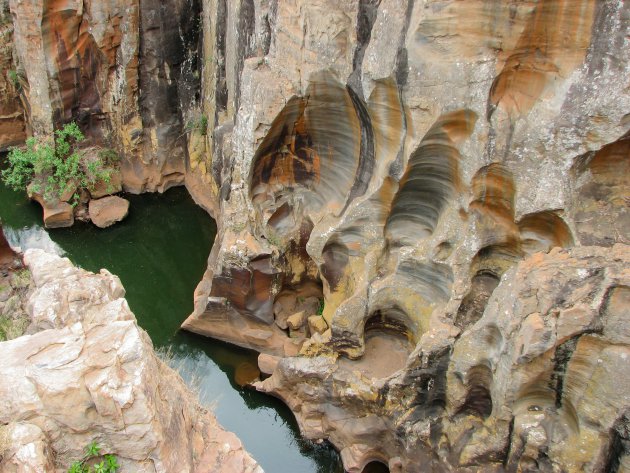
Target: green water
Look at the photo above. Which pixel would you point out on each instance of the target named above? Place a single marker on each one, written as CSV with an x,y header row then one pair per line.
x,y
159,252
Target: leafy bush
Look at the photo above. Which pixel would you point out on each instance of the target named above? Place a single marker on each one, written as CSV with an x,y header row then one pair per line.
x,y
109,464
54,167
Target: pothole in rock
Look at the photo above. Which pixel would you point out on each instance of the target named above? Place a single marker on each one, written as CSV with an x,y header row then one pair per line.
x,y
375,467
385,354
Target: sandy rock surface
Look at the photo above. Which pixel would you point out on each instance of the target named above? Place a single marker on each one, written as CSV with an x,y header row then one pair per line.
x,y
87,373
106,211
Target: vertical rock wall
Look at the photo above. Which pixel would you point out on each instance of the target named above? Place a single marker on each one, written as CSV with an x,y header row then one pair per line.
x,y
12,123
377,169
128,72
396,160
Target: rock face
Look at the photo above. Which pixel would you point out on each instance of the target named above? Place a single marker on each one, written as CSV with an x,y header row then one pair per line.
x,y
12,124
81,60
389,162
107,211
538,383
397,160
88,372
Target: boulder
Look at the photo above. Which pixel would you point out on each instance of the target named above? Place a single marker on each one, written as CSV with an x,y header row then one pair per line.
x,y
58,213
24,448
108,210
297,320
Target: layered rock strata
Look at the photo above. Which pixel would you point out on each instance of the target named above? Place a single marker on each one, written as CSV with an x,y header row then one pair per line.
x,y
86,372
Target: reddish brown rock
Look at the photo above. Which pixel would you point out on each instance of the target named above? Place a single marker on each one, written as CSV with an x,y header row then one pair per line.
x,y
8,257
12,123
108,210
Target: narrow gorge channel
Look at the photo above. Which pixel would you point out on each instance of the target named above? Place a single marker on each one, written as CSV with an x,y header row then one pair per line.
x,y
160,252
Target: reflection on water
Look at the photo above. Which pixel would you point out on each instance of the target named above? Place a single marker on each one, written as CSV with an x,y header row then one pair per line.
x,y
159,252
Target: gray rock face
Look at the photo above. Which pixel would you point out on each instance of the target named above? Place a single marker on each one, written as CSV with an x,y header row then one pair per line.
x,y
88,372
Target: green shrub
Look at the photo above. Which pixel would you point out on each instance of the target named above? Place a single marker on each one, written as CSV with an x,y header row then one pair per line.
x,y
199,125
12,327
54,166
109,464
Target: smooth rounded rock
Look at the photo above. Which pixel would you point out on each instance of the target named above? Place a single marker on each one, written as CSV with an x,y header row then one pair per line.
x,y
108,210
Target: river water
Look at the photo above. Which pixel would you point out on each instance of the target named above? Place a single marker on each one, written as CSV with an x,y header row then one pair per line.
x,y
159,252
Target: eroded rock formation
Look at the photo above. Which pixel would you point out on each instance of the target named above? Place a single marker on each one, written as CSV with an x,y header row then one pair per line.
x,y
397,160
12,123
538,383
385,174
86,372
127,72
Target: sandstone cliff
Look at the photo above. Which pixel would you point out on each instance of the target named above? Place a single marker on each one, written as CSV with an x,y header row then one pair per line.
x,y
86,372
400,166
397,160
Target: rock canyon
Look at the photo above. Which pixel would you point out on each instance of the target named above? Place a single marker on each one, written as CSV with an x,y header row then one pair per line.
x,y
423,212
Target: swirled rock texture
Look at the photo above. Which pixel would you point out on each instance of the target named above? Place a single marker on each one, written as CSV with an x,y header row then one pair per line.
x,y
377,168
397,160
86,372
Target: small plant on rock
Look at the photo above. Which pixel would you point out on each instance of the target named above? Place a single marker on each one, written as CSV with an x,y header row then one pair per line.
x,y
320,307
199,125
14,77
109,464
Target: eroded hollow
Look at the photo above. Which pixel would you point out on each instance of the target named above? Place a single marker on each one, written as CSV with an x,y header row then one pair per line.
x,y
478,397
496,259
474,303
319,152
376,467
303,298
542,231
388,344
430,180
601,189
493,191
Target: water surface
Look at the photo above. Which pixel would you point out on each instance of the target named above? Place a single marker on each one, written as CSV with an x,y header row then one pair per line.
x,y
159,252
